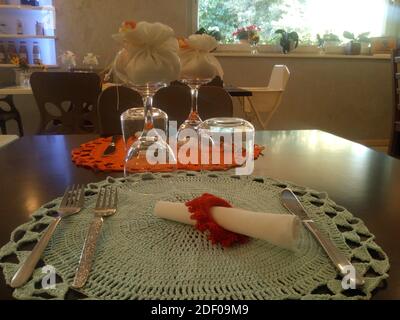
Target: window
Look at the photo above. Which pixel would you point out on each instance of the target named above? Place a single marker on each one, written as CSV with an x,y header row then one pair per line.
x,y
307,17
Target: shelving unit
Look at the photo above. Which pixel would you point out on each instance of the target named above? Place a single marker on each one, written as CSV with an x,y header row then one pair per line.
x,y
395,141
25,7
44,13
24,36
11,66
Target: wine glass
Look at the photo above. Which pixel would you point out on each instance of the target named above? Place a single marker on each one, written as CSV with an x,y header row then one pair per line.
x,y
151,148
194,119
132,123
232,142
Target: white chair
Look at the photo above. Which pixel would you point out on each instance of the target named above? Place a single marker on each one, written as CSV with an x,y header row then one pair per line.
x,y
7,139
267,99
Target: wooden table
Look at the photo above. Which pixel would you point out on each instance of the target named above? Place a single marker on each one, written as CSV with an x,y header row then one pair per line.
x,y
38,169
236,92
18,90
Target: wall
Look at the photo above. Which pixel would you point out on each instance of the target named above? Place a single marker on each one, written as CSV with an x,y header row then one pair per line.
x,y
87,25
350,97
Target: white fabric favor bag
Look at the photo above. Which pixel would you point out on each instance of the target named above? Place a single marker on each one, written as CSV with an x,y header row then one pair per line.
x,y
197,60
150,54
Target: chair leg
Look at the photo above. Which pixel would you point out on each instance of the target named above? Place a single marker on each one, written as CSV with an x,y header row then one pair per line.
x,y
3,127
258,116
20,126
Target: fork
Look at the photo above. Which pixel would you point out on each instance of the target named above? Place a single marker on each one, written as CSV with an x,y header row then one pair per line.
x,y
71,203
106,206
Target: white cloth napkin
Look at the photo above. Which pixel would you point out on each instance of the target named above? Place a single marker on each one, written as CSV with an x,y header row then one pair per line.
x,y
278,229
150,54
197,60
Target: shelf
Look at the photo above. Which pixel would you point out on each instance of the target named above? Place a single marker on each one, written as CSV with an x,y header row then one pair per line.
x,y
29,15
25,7
33,66
25,36
15,90
300,55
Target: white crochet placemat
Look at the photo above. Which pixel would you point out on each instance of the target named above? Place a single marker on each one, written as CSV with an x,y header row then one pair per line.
x,y
142,257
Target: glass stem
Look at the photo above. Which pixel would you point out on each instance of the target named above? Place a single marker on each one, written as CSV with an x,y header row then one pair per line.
x,y
148,114
195,95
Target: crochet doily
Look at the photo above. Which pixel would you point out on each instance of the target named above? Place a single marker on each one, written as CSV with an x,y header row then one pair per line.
x,y
90,155
140,256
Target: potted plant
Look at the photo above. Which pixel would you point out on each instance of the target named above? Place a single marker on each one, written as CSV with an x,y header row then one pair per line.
x,y
354,46
331,43
365,41
213,32
22,71
248,34
289,40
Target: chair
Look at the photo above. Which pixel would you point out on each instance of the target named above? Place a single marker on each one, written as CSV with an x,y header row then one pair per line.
x,y
269,98
11,114
395,138
67,101
216,82
214,102
112,102
175,100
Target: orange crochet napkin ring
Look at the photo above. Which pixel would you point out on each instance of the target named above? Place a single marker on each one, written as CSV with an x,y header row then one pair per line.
x,y
201,212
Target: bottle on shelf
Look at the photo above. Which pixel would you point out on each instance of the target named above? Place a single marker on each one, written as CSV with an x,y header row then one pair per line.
x,y
34,3
20,27
23,51
11,51
37,59
39,28
3,55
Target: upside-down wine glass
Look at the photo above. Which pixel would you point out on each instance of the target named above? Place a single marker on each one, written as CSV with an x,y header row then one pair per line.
x,y
151,148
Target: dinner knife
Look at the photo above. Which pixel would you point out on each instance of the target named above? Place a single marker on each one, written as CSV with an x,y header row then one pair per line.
x,y
111,148
342,263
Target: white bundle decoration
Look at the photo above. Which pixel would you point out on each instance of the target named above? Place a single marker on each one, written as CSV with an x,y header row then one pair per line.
x,y
90,59
197,60
150,53
68,59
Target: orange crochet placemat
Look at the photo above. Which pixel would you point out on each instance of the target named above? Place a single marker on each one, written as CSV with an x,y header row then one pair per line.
x,y
90,155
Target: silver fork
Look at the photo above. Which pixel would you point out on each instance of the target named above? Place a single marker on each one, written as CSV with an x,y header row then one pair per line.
x,y
106,206
72,203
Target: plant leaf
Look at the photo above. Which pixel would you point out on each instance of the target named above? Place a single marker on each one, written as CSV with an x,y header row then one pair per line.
x,y
349,35
294,36
364,37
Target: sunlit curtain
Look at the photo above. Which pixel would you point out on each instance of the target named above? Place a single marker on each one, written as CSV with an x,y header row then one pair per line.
x,y
393,18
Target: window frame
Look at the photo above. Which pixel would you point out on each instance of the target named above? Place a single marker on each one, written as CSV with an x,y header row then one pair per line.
x,y
231,47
